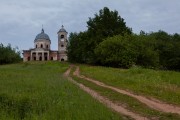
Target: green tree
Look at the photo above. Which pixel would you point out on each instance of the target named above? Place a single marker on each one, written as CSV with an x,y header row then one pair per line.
x,y
77,48
108,41
117,51
9,54
147,54
127,50
167,45
105,24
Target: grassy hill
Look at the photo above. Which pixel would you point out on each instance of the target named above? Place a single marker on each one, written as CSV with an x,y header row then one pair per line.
x,y
39,91
164,85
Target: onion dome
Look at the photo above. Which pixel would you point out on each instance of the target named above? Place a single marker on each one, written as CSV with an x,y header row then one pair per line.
x,y
41,36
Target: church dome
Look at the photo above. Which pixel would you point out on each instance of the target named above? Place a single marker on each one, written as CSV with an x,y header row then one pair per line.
x,y
62,29
42,35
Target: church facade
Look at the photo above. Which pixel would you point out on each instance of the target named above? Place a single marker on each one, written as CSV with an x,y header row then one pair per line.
x,y
42,48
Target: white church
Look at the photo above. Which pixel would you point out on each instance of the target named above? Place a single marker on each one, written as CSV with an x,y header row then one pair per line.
x,y
42,48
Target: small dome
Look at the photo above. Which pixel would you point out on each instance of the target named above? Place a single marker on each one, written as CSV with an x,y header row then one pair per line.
x,y
62,29
42,35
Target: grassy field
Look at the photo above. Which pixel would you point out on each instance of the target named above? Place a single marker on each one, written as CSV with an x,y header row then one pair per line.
x,y
38,91
164,85
130,103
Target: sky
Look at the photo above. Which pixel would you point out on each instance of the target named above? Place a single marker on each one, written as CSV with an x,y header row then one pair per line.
x,y
22,20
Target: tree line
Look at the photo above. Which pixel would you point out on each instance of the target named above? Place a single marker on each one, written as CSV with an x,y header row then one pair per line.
x,y
109,42
9,54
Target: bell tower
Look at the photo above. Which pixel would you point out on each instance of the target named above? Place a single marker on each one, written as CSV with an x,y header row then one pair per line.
x,y
62,44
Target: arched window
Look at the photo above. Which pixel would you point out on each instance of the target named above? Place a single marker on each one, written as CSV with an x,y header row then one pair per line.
x,y
41,46
36,46
62,45
47,46
62,36
62,59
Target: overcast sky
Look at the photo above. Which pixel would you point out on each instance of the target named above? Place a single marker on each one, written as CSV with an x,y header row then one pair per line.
x,y
21,20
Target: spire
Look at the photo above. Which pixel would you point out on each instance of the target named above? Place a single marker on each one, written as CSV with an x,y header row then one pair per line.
x,y
62,26
42,31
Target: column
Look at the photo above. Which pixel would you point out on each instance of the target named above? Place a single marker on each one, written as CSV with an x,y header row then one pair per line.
x,y
42,56
37,57
31,56
48,55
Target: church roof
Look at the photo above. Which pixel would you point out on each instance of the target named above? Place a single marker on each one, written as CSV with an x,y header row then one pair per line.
x,y
42,35
62,29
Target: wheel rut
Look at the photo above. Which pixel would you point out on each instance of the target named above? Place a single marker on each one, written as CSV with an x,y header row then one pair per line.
x,y
152,103
104,100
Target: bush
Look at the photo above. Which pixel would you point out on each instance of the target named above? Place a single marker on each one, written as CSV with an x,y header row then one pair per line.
x,y
147,54
117,51
9,54
125,51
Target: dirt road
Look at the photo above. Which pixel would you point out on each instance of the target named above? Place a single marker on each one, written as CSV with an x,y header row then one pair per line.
x,y
105,100
152,103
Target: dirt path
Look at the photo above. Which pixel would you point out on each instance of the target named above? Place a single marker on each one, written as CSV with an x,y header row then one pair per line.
x,y
104,100
152,103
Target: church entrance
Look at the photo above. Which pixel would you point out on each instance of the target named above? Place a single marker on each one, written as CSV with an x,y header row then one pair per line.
x,y
45,56
40,58
62,59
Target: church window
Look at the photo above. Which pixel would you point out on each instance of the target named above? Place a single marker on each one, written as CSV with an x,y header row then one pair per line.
x,y
36,46
62,36
62,45
41,46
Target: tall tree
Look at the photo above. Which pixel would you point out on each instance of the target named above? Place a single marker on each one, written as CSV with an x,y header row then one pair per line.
x,y
105,24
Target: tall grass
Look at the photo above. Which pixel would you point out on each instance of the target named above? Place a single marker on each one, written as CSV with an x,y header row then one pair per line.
x,y
38,91
164,85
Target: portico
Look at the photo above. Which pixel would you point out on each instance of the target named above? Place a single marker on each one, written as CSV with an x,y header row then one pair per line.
x,y
39,55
